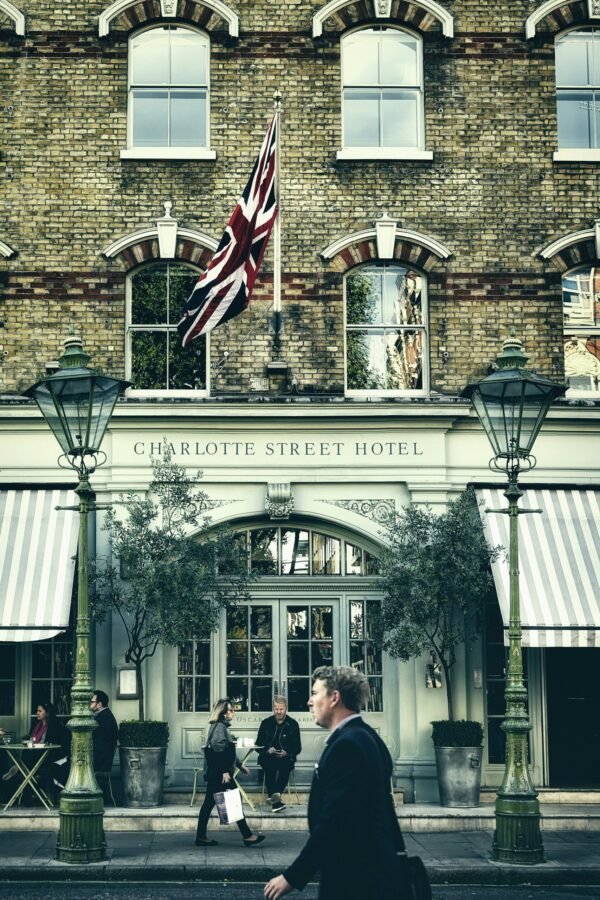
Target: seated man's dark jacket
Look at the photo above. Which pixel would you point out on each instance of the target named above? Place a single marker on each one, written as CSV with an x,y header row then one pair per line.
x,y
354,832
104,739
289,737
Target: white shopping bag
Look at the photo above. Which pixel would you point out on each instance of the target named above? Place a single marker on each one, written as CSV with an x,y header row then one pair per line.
x,y
229,806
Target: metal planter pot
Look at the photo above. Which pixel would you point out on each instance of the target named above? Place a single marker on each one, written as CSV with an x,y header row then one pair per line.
x,y
459,775
142,775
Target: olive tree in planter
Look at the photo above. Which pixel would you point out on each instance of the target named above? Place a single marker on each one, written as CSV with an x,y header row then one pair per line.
x,y
436,577
166,587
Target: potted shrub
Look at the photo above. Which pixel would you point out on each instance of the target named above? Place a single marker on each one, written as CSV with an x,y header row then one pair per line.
x,y
166,587
143,756
458,747
436,577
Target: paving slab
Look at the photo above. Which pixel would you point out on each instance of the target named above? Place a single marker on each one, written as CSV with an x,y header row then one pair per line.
x,y
450,858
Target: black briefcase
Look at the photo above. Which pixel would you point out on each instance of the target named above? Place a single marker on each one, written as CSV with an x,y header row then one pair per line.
x,y
413,877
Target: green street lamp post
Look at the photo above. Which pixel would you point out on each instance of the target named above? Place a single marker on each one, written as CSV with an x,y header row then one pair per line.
x,y
77,404
511,404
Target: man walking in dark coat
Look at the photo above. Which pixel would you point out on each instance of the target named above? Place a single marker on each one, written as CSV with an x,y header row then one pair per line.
x,y
279,738
354,833
105,735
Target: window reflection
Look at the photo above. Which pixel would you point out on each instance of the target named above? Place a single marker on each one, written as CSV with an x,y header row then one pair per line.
x,y
294,552
326,555
309,644
263,552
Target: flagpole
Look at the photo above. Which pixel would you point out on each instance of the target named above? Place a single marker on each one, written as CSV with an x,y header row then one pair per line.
x,y
277,222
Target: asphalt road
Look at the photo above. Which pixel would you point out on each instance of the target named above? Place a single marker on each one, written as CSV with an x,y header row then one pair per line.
x,y
196,891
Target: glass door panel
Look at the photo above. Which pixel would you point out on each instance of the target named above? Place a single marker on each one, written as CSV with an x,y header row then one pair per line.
x,y
249,657
309,643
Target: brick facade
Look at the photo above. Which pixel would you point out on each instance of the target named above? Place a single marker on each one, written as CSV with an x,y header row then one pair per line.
x,y
492,193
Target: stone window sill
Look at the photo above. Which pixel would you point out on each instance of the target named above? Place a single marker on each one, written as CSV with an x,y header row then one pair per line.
x,y
384,153
576,155
168,153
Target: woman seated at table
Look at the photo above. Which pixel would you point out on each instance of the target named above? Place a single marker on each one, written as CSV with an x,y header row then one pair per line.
x,y
47,729
220,756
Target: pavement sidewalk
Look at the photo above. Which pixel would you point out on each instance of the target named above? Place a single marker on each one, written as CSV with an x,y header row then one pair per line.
x,y
573,857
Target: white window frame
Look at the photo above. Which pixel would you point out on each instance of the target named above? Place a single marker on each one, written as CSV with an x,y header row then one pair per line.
x,y
580,330
573,154
160,152
131,329
385,392
418,152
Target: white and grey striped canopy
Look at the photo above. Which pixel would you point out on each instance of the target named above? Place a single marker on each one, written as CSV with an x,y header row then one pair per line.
x,y
559,564
38,545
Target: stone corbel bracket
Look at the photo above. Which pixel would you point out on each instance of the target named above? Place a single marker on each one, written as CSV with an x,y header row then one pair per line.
x,y
6,251
279,502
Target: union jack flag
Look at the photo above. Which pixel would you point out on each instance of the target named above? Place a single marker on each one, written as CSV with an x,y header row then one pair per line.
x,y
224,289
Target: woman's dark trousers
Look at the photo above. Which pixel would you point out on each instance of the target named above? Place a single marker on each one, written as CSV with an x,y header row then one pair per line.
x,y
213,786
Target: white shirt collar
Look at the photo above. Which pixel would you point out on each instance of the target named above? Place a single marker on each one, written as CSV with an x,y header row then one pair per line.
x,y
341,725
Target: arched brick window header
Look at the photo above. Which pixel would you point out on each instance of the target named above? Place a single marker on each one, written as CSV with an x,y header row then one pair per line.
x,y
9,11
421,15
144,246
555,15
385,242
212,15
574,249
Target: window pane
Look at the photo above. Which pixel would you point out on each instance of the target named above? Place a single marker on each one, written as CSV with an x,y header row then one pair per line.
x,y
262,694
8,659
399,113
298,658
357,655
7,698
149,360
185,661
188,57
297,622
356,619
575,119
150,111
41,660
187,366
353,560
237,691
371,564
237,658
581,298
398,59
364,298
237,623
326,555
150,57
185,700
202,695
263,551
385,360
298,694
375,695
294,552
188,119
361,117
582,362
574,60
260,622
41,692
374,665
402,297
322,622
322,654
149,296
203,658
360,58
261,658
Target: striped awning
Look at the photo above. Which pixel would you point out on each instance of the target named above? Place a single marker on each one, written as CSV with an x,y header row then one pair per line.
x,y
38,546
559,564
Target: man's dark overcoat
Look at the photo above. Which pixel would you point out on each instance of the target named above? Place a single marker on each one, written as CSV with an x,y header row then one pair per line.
x,y
354,833
104,740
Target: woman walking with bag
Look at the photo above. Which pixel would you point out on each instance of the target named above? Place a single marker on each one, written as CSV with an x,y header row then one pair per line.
x,y
220,757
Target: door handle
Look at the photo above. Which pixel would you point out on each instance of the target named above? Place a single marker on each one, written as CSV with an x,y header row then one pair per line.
x,y
283,694
275,688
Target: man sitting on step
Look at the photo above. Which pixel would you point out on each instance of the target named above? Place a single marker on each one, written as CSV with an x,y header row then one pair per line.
x,y
279,738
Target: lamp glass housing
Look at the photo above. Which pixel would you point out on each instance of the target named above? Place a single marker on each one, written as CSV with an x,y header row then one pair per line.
x,y
511,405
77,405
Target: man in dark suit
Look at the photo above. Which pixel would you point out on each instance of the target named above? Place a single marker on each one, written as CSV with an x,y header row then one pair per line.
x,y
105,735
354,833
279,738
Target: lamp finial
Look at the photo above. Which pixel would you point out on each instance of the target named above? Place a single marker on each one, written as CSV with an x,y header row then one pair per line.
x,y
512,356
74,356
